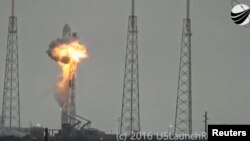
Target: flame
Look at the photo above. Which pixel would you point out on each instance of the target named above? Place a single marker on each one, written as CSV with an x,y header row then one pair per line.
x,y
68,56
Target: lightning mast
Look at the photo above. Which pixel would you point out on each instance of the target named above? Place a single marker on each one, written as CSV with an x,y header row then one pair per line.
x,y
11,98
183,115
130,114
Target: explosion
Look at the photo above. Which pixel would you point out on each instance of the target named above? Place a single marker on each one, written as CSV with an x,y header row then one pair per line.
x,y
68,53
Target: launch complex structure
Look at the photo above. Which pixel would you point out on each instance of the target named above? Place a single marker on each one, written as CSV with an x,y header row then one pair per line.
x,y
71,123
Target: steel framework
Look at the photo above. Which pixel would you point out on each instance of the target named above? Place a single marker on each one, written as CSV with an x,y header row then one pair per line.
x,y
11,97
130,114
68,113
72,104
183,116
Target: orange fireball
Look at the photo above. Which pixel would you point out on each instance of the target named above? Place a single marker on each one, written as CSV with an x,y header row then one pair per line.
x,y
68,57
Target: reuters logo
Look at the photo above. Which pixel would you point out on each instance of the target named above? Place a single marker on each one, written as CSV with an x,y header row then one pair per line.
x,y
240,14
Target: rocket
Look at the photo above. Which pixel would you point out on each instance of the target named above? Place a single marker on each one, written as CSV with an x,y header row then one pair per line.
x,y
67,33
67,51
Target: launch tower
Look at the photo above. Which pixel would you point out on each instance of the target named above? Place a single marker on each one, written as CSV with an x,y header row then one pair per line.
x,y
11,97
130,114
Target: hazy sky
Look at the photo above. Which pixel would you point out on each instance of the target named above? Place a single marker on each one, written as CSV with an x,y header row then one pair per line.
x,y
220,55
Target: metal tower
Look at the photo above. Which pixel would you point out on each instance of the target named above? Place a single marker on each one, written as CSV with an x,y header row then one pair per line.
x,y
68,113
130,114
183,115
11,98
72,104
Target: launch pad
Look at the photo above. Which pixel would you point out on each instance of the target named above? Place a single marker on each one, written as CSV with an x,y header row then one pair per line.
x,y
67,51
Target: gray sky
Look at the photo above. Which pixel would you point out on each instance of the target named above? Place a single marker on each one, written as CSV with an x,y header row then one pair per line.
x,y
220,55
